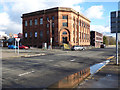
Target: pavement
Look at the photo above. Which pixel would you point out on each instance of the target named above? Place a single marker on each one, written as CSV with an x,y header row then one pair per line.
x,y
10,53
42,71
107,77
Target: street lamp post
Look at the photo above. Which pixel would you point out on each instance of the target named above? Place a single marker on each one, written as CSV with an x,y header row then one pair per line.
x,y
50,21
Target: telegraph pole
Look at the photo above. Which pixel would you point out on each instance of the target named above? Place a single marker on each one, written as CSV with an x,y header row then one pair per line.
x,y
50,21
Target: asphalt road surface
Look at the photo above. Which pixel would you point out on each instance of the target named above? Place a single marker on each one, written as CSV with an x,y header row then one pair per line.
x,y
43,71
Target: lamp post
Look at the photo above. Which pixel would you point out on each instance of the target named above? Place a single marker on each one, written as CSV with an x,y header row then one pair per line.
x,y
50,21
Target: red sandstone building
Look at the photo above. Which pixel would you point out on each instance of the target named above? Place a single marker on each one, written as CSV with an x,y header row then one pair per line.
x,y
68,26
96,38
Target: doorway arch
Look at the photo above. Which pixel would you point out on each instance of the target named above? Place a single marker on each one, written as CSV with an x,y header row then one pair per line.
x,y
64,36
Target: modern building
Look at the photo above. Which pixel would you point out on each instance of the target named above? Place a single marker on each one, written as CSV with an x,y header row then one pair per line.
x,y
68,26
96,38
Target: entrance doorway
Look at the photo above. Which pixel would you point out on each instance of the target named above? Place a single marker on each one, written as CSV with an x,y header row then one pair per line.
x,y
64,40
64,36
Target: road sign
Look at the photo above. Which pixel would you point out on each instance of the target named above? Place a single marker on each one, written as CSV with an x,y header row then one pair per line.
x,y
115,22
115,28
15,36
17,39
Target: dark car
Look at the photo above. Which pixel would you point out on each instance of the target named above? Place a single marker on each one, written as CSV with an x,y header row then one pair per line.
x,y
103,46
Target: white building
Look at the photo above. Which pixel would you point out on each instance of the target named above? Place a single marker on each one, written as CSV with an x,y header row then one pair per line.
x,y
3,35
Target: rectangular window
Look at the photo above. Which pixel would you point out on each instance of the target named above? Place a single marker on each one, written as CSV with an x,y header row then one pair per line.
x,y
41,20
47,18
25,34
35,21
65,17
30,22
52,32
53,18
30,34
79,34
84,35
25,23
52,39
79,23
84,24
65,24
47,31
47,25
41,34
52,24
35,34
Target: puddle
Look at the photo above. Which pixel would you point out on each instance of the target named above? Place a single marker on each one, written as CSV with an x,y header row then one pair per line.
x,y
96,67
74,80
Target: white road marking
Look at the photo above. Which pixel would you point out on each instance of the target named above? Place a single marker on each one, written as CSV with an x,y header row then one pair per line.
x,y
51,60
25,73
56,65
72,60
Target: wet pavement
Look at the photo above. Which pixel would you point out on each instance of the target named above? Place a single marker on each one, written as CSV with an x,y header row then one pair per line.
x,y
107,77
43,71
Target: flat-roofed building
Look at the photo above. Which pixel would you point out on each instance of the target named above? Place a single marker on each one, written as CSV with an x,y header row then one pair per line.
x,y
96,38
68,26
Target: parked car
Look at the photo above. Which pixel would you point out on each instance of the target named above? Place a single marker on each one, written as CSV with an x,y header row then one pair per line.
x,y
77,47
103,46
23,47
12,47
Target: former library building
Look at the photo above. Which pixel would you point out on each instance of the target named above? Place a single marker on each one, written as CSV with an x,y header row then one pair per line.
x,y
63,25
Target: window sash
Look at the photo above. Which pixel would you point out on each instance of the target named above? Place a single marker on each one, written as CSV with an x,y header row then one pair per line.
x,y
41,20
35,34
35,21
25,23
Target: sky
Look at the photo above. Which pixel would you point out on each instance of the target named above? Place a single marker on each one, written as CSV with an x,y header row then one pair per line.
x,y
98,11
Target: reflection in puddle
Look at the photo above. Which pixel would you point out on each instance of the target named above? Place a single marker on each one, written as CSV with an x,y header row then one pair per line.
x,y
73,80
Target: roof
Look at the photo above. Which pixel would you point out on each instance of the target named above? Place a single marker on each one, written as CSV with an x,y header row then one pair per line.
x,y
55,9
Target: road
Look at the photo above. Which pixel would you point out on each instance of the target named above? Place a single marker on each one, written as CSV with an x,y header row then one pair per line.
x,y
43,71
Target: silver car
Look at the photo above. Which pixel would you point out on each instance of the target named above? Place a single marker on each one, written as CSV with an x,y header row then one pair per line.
x,y
77,47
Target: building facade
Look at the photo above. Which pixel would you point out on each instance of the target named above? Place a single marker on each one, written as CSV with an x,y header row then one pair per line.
x,y
68,26
96,38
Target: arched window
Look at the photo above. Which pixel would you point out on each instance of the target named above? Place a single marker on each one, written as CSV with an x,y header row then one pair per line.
x,y
64,33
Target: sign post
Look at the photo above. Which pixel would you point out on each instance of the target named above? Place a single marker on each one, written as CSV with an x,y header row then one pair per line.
x,y
15,45
115,28
18,39
117,38
15,36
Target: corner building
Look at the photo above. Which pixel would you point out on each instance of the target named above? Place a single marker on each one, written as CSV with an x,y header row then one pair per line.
x,y
68,26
